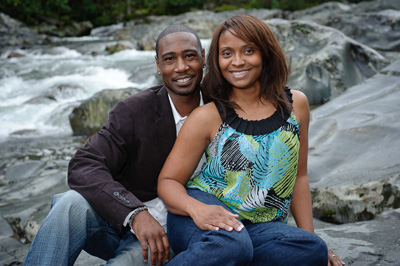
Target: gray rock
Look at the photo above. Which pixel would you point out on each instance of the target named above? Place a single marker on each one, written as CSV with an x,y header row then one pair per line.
x,y
375,24
375,242
5,229
23,170
121,45
13,32
204,23
324,62
354,150
88,118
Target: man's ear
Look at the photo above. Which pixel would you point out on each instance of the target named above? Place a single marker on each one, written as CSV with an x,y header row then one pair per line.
x,y
158,65
203,55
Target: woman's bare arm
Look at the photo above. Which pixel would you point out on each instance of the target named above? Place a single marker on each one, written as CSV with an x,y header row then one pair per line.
x,y
196,133
301,201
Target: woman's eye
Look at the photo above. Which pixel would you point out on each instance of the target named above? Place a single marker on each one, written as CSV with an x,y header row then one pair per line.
x,y
248,51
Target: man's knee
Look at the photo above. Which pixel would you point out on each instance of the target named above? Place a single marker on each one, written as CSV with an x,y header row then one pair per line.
x,y
70,203
69,198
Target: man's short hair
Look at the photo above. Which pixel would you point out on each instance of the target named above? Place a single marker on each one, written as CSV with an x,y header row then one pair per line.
x,y
177,28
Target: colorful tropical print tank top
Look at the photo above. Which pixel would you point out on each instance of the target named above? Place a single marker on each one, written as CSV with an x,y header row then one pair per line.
x,y
251,166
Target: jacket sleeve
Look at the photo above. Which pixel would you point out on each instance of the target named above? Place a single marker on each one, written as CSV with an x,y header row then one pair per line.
x,y
92,170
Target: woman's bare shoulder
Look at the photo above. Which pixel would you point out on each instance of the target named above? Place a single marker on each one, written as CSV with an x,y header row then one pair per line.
x,y
301,108
205,113
299,96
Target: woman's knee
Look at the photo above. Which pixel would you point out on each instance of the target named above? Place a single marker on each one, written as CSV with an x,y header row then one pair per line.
x,y
320,251
312,250
233,246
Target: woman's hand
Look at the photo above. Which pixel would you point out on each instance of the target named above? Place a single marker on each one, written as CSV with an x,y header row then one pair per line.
x,y
334,259
214,217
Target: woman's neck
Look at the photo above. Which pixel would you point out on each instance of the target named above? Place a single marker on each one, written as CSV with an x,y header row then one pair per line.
x,y
251,106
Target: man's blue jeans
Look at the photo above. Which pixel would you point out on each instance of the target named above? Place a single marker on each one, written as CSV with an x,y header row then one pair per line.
x,y
73,225
272,243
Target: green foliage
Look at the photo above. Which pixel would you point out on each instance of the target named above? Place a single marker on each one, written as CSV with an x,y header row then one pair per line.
x,y
255,4
226,7
287,4
105,12
174,7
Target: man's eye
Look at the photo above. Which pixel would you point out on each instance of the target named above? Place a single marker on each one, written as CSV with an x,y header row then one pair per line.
x,y
191,56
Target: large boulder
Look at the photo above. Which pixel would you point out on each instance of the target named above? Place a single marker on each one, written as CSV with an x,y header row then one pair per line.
x,y
92,113
56,28
374,242
324,62
354,145
145,31
14,32
375,24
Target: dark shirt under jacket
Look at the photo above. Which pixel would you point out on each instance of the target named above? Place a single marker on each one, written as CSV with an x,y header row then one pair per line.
x,y
118,167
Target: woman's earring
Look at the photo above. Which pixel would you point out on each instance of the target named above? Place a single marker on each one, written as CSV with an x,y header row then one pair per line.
x,y
159,73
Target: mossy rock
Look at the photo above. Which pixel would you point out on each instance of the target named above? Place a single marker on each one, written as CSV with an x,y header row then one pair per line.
x,y
91,114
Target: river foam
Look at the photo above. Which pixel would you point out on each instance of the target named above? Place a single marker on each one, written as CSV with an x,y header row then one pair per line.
x,y
40,89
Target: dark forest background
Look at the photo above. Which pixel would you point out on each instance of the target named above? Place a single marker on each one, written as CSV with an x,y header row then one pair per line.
x,y
106,12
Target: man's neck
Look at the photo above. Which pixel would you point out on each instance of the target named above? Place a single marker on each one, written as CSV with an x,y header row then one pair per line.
x,y
186,104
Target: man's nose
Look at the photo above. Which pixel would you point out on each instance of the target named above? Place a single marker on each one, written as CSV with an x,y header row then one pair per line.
x,y
181,65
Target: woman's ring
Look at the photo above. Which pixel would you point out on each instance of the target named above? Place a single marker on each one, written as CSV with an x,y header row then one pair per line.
x,y
333,255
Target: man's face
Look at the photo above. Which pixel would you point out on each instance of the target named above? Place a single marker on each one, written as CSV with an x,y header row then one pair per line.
x,y
180,62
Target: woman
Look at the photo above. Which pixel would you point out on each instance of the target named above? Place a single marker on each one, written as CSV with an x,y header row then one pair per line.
x,y
255,134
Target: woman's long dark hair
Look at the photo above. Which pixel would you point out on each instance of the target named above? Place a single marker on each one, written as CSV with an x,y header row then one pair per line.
x,y
274,72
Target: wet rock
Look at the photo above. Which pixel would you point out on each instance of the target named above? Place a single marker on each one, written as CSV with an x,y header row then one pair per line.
x,y
353,154
13,32
57,92
375,24
356,202
120,46
24,132
145,31
58,29
5,229
374,242
12,251
88,118
23,170
323,61
15,55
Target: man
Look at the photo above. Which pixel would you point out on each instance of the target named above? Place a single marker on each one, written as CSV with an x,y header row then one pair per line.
x,y
114,176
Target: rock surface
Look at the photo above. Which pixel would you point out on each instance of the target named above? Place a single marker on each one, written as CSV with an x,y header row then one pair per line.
x,y
375,24
90,115
323,61
354,149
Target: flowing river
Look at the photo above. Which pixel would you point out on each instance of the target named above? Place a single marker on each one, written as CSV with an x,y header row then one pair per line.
x,y
39,90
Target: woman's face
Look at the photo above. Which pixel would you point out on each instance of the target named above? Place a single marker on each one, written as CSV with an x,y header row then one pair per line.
x,y
240,61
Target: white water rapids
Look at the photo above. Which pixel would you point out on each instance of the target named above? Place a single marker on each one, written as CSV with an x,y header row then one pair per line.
x,y
39,90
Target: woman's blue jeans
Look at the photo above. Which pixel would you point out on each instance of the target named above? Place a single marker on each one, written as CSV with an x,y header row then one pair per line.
x,y
73,225
272,243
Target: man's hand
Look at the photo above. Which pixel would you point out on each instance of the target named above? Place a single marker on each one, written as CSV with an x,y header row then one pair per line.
x,y
151,233
213,217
